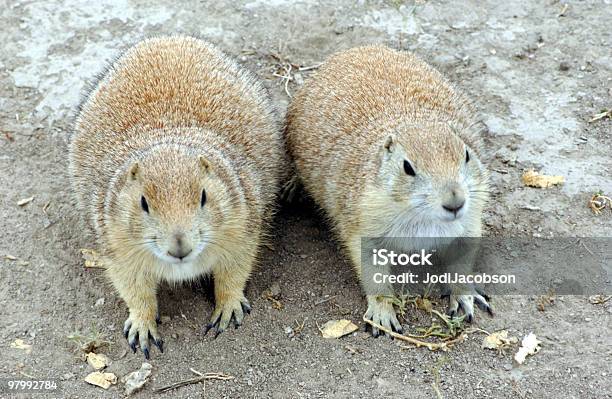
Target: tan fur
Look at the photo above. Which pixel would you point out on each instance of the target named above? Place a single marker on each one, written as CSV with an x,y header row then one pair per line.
x,y
337,126
171,117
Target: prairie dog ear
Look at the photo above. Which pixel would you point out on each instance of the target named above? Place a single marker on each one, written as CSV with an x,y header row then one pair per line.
x,y
390,143
134,173
204,164
390,148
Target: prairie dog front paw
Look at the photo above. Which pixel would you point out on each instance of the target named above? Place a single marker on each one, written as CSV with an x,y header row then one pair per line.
x,y
466,302
226,312
139,331
381,311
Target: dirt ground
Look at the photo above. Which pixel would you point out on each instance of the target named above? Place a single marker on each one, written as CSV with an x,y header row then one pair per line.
x,y
538,71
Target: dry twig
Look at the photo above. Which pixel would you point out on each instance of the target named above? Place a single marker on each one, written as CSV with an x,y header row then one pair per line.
x,y
299,327
285,68
286,77
599,299
309,68
322,301
601,115
418,343
200,378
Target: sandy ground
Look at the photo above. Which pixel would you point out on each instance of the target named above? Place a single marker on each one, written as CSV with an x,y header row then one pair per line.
x,y
537,76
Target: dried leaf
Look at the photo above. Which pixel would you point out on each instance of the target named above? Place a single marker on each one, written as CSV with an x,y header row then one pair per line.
x,y
20,344
599,202
25,201
136,379
532,178
338,328
89,342
529,346
273,294
103,380
424,304
10,257
546,300
498,340
97,361
92,258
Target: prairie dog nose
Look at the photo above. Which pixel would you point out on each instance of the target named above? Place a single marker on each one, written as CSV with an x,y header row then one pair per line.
x,y
180,248
454,199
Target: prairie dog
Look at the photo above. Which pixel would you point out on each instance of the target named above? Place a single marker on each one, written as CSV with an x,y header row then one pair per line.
x,y
175,162
389,148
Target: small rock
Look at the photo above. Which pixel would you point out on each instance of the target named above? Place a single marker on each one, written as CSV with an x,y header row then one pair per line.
x,y
67,376
564,66
382,383
25,201
99,302
298,79
136,379
289,331
275,289
21,344
338,370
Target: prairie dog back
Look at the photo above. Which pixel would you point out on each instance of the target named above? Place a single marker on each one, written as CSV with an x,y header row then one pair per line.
x,y
175,162
387,147
166,83
355,100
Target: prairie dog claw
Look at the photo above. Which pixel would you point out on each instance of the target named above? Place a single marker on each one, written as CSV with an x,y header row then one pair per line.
x,y
381,311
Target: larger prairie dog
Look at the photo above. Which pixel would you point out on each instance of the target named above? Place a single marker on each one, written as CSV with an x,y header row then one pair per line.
x,y
175,162
389,148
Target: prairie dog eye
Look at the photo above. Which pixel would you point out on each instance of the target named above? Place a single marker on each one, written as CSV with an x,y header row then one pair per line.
x,y
467,156
144,204
409,169
203,199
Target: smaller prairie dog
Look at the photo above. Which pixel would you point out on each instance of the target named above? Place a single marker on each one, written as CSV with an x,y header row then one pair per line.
x,y
389,148
175,162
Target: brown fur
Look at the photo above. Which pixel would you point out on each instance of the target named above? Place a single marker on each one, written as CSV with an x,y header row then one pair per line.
x,y
171,117
337,127
352,103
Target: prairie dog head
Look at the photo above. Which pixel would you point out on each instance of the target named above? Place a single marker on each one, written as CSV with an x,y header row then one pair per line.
x,y
435,182
170,205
